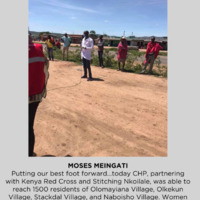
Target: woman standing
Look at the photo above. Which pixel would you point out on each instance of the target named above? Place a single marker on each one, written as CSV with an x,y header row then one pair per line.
x,y
122,52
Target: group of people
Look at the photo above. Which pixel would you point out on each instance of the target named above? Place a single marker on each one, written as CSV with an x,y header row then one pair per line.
x,y
50,44
151,54
38,68
87,44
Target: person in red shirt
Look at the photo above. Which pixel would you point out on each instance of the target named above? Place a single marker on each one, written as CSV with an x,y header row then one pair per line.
x,y
122,52
57,44
152,52
38,76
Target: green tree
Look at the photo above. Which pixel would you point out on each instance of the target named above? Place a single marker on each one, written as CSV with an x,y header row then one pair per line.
x,y
93,35
46,33
92,32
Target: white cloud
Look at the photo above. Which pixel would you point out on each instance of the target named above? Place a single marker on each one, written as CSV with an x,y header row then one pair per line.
x,y
106,21
68,6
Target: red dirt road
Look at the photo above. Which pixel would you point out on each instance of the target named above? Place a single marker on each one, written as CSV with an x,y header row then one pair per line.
x,y
121,114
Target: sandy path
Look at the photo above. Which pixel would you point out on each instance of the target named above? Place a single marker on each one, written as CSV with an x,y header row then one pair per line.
x,y
125,114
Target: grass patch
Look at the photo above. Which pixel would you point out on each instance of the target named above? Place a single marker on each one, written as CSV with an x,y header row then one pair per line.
x,y
112,49
163,54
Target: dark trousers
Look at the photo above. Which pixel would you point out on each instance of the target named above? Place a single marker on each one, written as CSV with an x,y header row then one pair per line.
x,y
86,65
100,54
50,53
32,111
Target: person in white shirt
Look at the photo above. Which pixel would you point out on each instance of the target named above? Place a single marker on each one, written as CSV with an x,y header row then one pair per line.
x,y
86,49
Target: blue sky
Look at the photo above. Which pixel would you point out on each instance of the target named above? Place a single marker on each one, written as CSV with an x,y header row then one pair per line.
x,y
112,17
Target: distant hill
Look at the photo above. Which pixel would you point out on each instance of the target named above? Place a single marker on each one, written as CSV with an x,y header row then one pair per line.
x,y
147,38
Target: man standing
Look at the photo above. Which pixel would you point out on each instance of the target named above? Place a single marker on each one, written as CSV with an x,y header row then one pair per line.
x,y
38,76
100,45
152,52
86,49
67,41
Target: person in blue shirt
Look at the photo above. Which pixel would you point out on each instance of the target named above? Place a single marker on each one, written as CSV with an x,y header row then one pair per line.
x,y
67,41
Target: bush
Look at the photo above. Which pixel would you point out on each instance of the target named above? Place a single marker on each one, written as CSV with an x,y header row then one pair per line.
x,y
131,58
75,56
108,59
95,61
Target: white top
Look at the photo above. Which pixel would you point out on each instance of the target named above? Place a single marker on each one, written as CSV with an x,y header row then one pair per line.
x,y
88,43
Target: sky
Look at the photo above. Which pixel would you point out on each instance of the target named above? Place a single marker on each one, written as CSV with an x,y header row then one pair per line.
x,y
111,17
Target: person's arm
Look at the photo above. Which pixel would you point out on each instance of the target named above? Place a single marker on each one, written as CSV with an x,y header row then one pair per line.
x,y
91,45
126,49
82,45
158,48
70,41
147,51
119,48
46,44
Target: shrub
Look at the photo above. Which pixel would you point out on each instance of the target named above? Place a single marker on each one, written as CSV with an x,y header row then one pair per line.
x,y
108,59
75,56
131,58
95,59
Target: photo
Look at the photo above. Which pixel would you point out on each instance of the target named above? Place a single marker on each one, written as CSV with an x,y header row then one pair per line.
x,y
98,78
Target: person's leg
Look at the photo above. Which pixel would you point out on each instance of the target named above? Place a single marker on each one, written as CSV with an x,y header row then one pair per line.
x,y
123,64
67,49
51,52
101,58
85,68
89,68
145,65
151,64
63,53
99,54
48,49
119,67
32,111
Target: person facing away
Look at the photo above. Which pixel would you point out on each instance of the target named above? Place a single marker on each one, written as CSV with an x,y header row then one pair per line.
x,y
49,43
57,44
38,76
122,50
86,49
100,45
151,54
66,43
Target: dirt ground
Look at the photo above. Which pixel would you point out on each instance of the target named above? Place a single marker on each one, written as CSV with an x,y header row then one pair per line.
x,y
118,114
